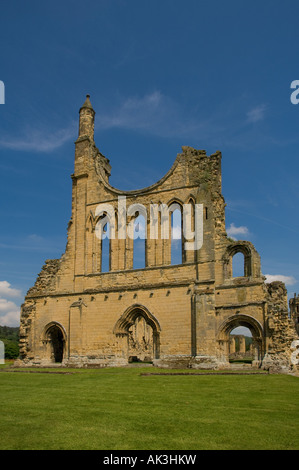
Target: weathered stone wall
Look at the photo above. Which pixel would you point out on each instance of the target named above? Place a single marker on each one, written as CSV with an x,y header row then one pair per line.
x,y
175,315
45,281
280,328
294,310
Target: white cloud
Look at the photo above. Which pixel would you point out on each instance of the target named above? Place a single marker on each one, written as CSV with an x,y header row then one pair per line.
x,y
7,305
7,290
232,231
157,114
176,232
288,280
11,318
256,114
35,238
9,311
139,228
160,114
39,140
134,113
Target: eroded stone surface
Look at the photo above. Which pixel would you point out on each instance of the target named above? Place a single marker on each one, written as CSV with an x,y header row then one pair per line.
x,y
173,315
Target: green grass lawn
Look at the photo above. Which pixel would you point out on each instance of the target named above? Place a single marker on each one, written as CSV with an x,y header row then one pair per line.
x,y
119,409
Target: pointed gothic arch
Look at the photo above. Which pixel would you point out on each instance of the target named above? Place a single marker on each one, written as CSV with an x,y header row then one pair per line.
x,y
54,339
189,226
105,232
142,330
172,231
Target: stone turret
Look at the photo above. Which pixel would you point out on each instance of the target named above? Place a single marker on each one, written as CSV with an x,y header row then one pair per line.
x,y
86,122
85,145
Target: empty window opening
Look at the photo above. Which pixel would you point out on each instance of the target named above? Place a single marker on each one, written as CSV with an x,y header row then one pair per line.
x,y
139,248
105,251
238,262
176,237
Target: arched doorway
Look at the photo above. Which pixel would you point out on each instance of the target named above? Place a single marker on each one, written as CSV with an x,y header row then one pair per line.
x,y
54,339
141,331
241,346
256,331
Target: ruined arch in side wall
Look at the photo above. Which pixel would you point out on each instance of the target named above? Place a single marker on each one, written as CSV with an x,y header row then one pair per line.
x,y
256,330
139,332
54,341
239,247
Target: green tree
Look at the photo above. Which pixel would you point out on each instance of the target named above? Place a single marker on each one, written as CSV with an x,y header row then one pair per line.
x,y
11,349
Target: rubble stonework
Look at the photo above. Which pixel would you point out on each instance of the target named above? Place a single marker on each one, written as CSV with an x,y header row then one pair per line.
x,y
46,278
174,315
294,309
281,328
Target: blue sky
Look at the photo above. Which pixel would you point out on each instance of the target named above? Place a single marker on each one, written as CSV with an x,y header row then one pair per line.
x,y
211,74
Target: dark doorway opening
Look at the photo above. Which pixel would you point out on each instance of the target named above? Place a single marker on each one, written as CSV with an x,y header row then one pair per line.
x,y
56,339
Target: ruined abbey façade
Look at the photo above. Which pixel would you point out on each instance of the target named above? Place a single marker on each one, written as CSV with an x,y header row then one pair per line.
x,y
171,312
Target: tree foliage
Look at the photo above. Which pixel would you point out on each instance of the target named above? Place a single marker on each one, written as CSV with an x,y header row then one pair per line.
x,y
10,337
